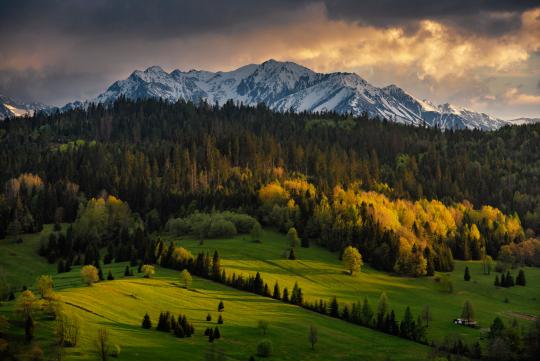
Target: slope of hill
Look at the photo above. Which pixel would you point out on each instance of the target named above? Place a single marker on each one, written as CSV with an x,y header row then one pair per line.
x,y
286,86
321,276
119,306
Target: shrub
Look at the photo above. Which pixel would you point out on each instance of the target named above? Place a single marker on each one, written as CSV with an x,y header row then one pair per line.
x,y
264,348
221,228
115,350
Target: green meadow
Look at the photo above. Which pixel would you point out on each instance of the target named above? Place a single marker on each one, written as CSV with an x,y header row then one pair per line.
x,y
320,274
119,306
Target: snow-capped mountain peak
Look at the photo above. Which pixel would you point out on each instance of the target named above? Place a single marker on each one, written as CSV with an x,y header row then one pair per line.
x,y
287,86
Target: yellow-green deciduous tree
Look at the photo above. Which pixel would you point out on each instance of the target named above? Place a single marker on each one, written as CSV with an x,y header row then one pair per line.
x,y
186,278
148,270
45,285
352,260
89,274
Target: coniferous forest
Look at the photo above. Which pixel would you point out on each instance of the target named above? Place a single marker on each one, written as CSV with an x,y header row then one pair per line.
x,y
124,183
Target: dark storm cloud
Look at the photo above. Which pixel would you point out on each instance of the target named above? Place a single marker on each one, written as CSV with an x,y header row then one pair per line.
x,y
141,18
167,18
52,85
488,17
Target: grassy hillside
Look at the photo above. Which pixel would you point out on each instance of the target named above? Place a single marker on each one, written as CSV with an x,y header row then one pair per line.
x,y
320,274
120,305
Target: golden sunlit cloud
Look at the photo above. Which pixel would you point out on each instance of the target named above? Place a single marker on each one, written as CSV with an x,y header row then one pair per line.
x,y
514,96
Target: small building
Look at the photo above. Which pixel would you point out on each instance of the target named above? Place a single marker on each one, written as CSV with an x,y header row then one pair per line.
x,y
464,322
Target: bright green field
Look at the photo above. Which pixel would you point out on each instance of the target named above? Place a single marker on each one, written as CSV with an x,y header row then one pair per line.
x,y
320,275
119,306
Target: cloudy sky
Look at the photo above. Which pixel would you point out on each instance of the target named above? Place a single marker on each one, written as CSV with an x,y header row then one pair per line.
x,y
482,54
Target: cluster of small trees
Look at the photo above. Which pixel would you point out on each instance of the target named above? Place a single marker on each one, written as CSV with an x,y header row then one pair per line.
x,y
213,334
382,319
508,280
179,326
513,342
212,225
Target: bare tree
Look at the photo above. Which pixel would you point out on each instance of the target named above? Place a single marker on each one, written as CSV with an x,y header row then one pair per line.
x,y
102,344
313,336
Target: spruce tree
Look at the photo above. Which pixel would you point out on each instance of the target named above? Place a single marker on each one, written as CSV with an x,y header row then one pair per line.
x,y
221,306
277,294
179,331
334,307
285,295
406,327
209,317
467,275
100,273
146,323
217,334
220,320
110,276
345,314
520,279
509,280
497,283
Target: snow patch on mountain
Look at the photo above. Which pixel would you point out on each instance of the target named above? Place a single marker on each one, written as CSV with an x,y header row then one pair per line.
x,y
287,86
10,108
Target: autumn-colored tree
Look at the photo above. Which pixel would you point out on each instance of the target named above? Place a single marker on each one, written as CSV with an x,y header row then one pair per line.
x,y
352,260
89,274
148,270
186,278
45,285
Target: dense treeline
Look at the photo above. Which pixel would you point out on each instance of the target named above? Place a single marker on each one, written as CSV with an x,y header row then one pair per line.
x,y
170,160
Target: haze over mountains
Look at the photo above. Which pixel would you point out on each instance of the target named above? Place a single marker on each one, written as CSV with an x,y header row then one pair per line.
x,y
287,86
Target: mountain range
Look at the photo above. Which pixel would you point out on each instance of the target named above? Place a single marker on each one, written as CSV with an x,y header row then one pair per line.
x,y
287,86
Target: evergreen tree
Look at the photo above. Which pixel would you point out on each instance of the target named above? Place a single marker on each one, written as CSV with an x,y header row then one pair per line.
x,y
509,280
467,275
216,266
179,331
277,294
497,283
221,306
146,323
334,308
393,326
126,272
110,276
407,325
345,314
520,279
220,320
286,295
209,317
100,273
367,313
382,310
217,334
